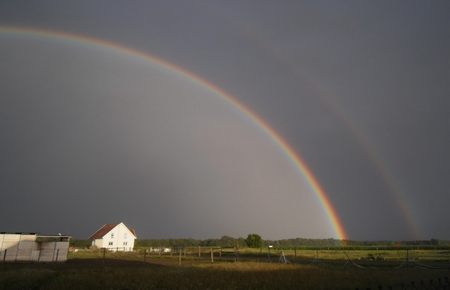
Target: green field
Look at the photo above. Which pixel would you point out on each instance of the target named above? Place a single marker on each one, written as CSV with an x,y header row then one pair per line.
x,y
250,269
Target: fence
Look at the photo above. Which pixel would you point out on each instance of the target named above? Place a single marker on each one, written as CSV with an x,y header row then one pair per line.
x,y
363,259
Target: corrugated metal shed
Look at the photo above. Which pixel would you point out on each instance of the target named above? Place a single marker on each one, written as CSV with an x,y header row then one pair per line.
x,y
16,247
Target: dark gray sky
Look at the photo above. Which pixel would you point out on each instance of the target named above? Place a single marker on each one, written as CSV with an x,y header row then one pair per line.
x,y
359,88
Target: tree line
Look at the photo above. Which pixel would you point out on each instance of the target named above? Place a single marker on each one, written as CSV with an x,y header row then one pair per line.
x,y
255,241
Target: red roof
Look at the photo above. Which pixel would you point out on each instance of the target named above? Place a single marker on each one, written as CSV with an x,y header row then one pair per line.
x,y
100,233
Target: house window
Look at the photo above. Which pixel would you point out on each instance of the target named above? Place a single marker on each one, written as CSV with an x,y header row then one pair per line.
x,y
125,243
112,235
110,243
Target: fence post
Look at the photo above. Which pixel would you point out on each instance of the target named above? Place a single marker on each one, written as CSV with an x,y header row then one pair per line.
x,y
283,258
212,256
407,257
199,251
145,255
179,257
295,252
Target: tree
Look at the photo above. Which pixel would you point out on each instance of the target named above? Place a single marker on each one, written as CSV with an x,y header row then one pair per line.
x,y
227,241
254,241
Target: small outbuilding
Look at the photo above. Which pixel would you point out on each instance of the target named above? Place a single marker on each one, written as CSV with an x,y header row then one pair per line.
x,y
114,237
15,247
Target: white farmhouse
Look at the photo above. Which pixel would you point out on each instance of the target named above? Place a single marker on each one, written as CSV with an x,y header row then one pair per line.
x,y
114,237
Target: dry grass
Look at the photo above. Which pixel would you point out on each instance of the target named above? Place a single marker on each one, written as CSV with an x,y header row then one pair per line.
x,y
86,270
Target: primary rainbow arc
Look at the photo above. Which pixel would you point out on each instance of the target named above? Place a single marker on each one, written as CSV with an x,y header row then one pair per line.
x,y
294,157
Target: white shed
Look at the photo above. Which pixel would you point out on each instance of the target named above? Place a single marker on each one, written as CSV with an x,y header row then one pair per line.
x,y
114,237
16,247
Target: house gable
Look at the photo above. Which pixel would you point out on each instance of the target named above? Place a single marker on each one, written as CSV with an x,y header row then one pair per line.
x,y
105,229
116,237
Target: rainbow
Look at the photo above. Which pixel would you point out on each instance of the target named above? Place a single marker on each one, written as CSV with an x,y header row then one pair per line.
x,y
298,163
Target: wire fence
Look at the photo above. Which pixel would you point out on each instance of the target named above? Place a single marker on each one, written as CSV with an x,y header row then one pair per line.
x,y
364,260
378,258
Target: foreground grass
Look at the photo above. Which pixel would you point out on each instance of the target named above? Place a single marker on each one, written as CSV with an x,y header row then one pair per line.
x,y
127,272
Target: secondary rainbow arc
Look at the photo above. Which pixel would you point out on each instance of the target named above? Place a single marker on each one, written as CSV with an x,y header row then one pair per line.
x,y
299,164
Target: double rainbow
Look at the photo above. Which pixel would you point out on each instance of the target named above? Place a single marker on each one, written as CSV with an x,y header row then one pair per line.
x,y
298,163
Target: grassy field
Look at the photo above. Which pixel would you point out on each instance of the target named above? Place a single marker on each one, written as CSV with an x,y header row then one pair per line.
x,y
356,254
88,270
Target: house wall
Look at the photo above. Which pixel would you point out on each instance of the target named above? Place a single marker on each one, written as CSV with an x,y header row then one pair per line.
x,y
119,239
97,243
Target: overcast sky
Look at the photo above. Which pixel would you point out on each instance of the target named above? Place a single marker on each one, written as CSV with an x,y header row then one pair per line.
x,y
360,89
